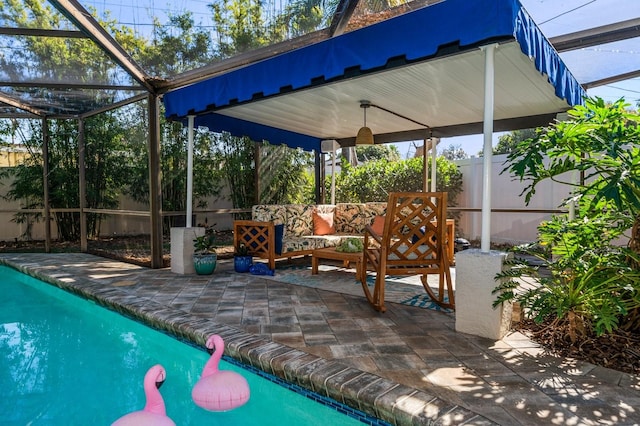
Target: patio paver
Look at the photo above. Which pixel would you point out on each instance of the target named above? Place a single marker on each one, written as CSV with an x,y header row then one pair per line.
x,y
406,366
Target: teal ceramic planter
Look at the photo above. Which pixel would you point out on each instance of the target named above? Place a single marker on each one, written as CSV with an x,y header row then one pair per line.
x,y
205,264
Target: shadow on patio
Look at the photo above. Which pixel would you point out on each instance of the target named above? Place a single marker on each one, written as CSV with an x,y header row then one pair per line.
x,y
406,365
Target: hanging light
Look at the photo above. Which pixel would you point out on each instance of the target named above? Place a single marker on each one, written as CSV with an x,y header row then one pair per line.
x,y
365,135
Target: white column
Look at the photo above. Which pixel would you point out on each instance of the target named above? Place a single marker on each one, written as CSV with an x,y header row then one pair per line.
x,y
434,154
333,176
489,54
475,280
182,249
189,173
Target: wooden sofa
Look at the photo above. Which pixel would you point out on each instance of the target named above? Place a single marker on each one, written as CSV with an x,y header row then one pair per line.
x,y
285,231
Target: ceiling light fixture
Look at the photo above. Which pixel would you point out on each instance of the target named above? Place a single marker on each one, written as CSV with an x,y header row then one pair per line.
x,y
365,135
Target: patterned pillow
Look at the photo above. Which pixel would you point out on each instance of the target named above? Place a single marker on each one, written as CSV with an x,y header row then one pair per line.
x,y
269,213
350,218
299,220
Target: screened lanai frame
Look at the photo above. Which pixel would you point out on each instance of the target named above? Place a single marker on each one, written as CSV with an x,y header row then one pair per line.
x,y
133,84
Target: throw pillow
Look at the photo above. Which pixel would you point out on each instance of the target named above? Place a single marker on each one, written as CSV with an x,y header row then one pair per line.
x,y
279,234
378,225
323,224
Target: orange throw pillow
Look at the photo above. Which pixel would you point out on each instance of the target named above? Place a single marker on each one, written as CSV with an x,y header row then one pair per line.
x,y
323,224
378,225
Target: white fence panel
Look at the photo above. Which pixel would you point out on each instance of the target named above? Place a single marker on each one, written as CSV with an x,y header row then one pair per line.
x,y
505,194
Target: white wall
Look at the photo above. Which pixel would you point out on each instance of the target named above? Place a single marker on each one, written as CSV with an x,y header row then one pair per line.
x,y
110,225
505,227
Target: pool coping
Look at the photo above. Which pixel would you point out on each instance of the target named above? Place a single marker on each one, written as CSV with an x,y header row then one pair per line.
x,y
373,395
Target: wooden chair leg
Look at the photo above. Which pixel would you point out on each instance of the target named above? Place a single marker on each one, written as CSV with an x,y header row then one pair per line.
x,y
444,282
365,287
376,299
378,293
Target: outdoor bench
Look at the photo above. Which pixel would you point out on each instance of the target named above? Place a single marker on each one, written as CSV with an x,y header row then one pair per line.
x,y
285,231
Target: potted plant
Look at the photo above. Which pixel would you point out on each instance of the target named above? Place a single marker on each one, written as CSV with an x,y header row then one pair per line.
x,y
242,260
205,257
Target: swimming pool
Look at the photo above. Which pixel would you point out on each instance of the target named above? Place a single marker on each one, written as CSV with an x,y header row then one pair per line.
x,y
64,360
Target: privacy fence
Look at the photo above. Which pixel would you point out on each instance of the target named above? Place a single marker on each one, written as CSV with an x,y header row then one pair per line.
x,y
511,220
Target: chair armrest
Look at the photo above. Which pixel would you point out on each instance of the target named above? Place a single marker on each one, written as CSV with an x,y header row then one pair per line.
x,y
369,232
258,237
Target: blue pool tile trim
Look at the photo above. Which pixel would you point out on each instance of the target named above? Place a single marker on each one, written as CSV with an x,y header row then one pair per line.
x,y
329,402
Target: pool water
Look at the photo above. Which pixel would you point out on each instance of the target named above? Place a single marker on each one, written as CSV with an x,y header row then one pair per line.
x,y
66,361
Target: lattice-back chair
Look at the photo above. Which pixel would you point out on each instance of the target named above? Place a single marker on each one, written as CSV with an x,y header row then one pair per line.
x,y
414,242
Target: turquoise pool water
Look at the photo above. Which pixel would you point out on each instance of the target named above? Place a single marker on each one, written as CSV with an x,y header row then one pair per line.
x,y
66,361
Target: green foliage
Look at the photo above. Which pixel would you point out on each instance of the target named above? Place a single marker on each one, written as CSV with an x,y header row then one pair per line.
x,y
105,171
377,152
283,175
508,142
283,171
242,250
206,243
580,277
600,141
454,152
240,25
374,180
177,47
351,245
207,181
593,285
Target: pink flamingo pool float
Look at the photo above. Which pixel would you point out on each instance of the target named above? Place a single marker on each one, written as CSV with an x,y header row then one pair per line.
x,y
219,390
154,412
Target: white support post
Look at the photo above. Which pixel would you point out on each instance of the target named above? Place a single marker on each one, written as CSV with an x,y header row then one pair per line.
x,y
476,269
190,173
333,176
572,203
434,154
475,281
489,83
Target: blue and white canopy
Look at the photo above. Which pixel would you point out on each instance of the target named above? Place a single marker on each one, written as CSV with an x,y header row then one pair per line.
x,y
427,65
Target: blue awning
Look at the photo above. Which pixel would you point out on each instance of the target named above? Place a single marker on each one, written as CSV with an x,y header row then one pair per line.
x,y
434,33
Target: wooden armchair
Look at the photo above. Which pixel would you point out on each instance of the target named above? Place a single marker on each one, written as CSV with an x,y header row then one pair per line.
x,y
414,242
258,237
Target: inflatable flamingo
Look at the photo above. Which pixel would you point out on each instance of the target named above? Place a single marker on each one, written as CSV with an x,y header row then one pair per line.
x,y
219,390
154,412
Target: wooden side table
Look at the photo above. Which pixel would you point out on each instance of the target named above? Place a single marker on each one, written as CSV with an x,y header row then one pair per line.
x,y
332,254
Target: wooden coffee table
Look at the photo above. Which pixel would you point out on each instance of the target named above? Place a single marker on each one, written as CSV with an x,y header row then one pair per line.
x,y
332,254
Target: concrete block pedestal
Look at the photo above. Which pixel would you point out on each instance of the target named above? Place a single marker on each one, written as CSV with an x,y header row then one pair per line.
x,y
182,249
475,280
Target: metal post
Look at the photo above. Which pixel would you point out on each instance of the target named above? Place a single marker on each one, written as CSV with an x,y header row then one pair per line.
x,y
333,176
257,182
190,173
82,186
425,167
45,185
155,179
318,176
434,153
489,83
